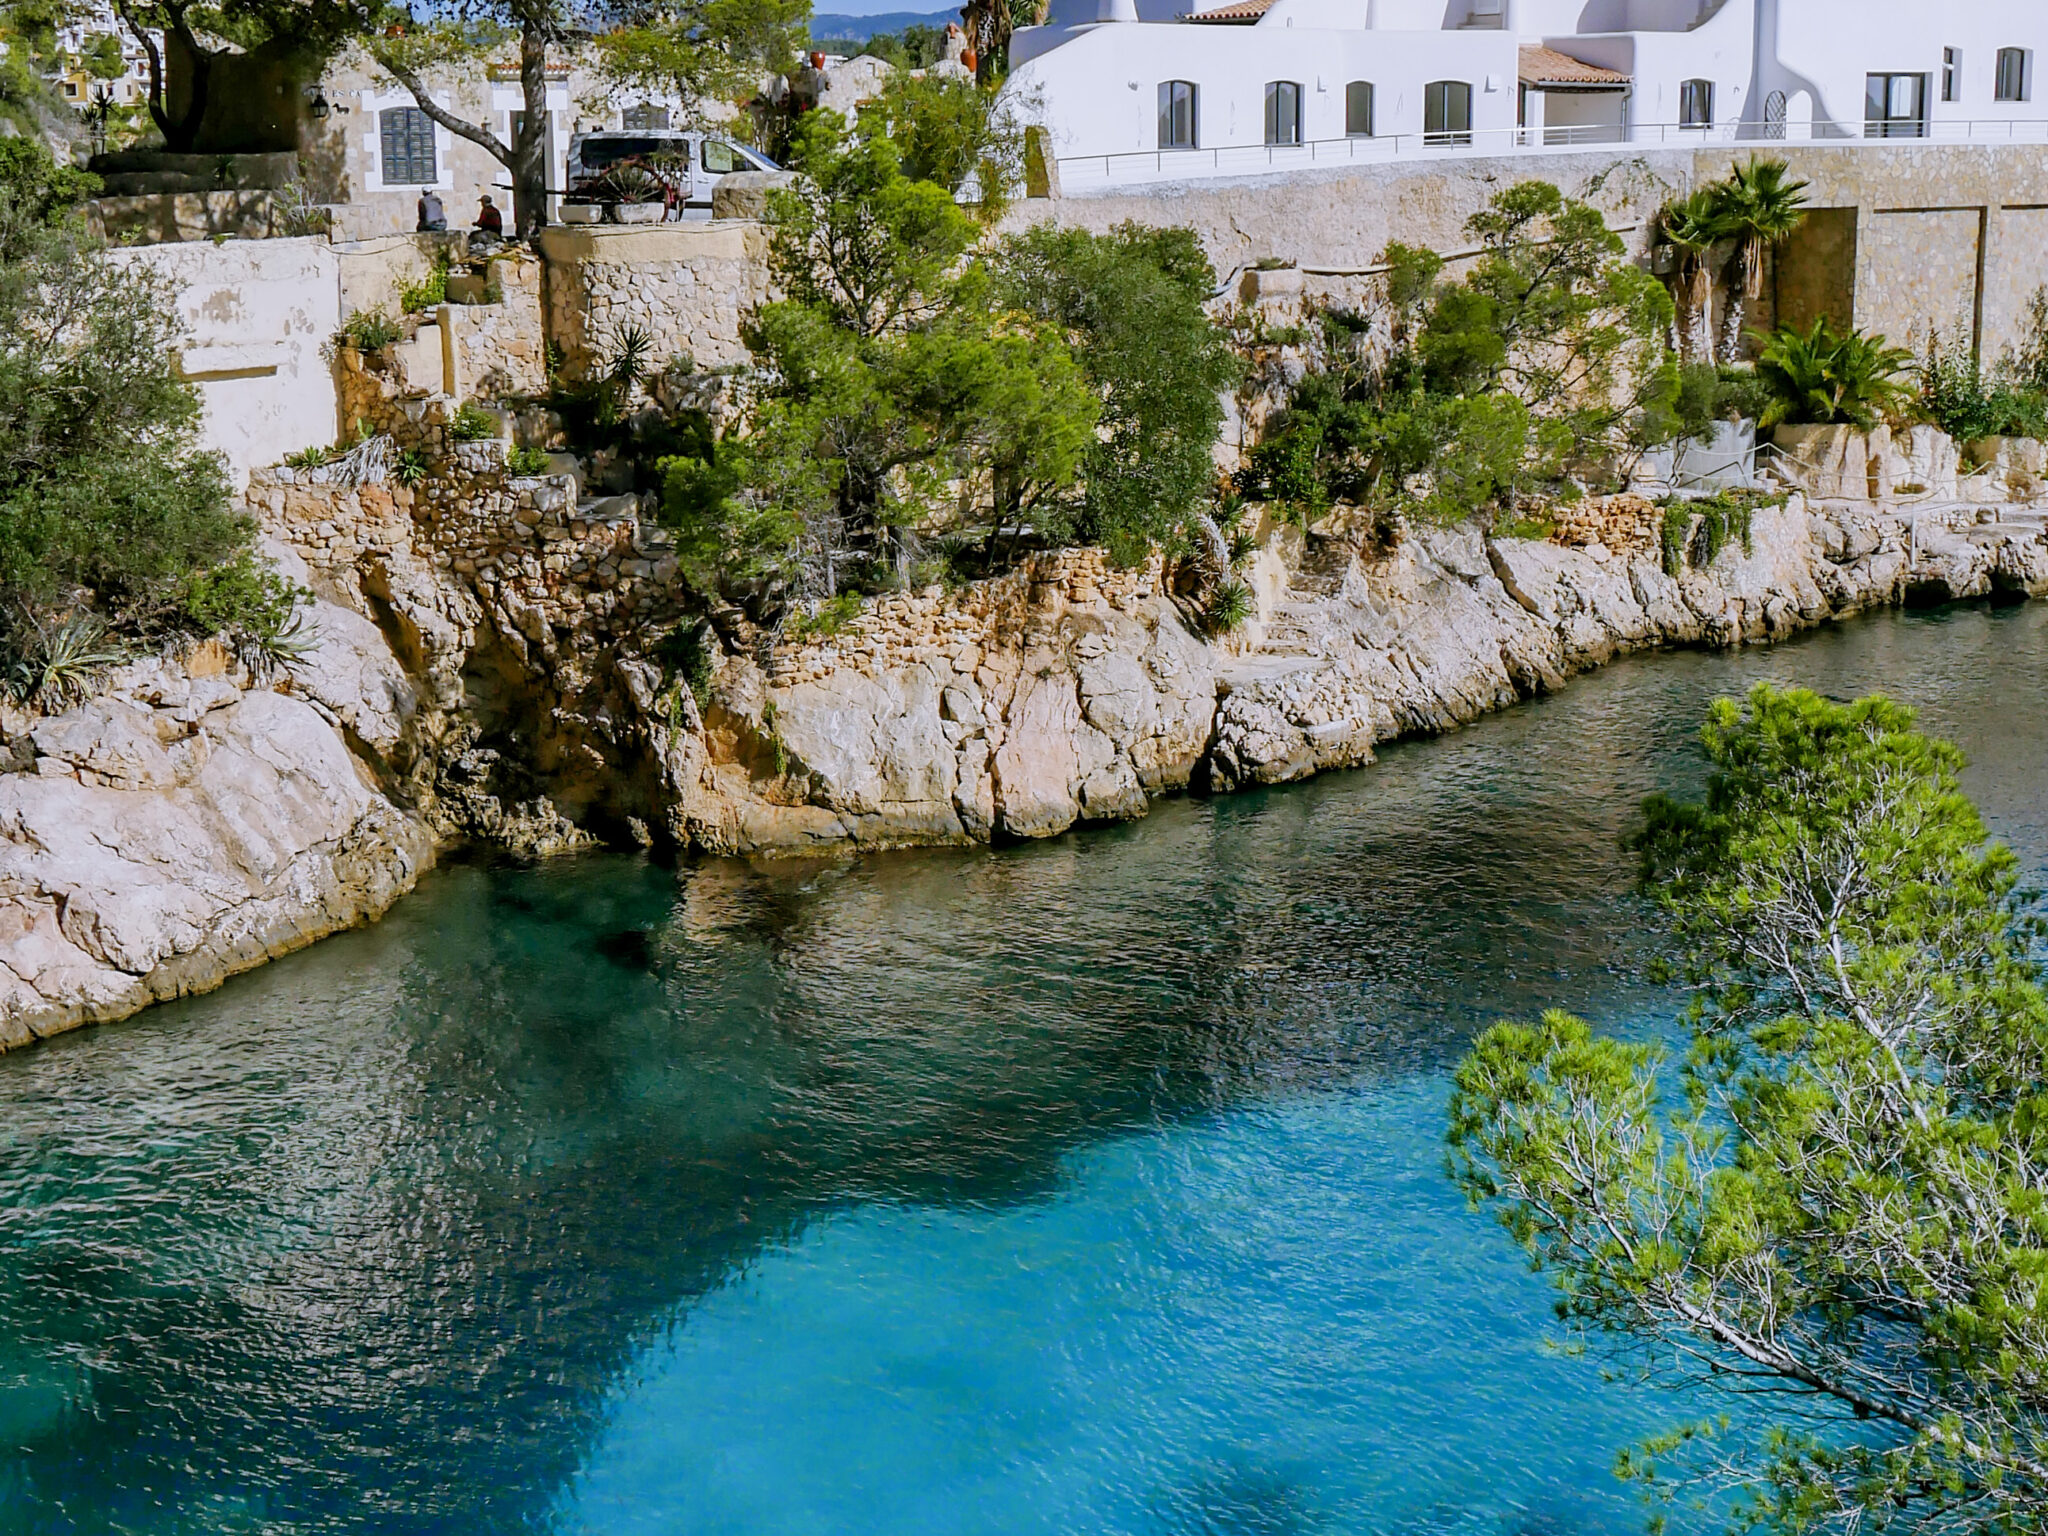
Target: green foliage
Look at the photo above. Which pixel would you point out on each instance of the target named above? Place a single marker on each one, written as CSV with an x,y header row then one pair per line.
x,y
895,387
369,330
1822,377
685,656
241,595
953,133
2026,364
1723,518
915,47
472,423
1547,358
308,458
526,461
428,291
722,533
38,190
1955,396
705,54
826,620
1131,305
1232,604
1838,1208
53,662
102,485
410,468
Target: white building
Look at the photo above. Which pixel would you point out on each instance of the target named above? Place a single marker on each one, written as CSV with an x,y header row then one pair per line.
x,y
1139,90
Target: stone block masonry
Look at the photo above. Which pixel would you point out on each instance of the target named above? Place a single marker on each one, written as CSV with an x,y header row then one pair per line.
x,y
687,286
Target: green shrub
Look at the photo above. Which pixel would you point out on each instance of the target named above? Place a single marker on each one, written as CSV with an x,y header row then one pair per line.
x,y
1824,377
410,468
1955,396
1232,604
242,595
526,461
686,657
369,330
52,662
1724,517
428,292
308,458
832,615
472,424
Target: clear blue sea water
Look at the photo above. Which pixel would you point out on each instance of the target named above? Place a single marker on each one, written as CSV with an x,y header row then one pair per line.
x,y
1090,1186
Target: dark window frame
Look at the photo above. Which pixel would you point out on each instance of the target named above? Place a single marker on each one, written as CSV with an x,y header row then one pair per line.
x,y
1357,93
1283,113
406,147
1880,118
1441,125
1951,74
2014,80
1696,103
1180,117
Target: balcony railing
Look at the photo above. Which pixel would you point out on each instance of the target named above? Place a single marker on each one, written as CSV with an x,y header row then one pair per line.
x,y
1149,165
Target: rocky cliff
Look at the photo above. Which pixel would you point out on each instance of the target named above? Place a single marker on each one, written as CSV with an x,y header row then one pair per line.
x,y
494,662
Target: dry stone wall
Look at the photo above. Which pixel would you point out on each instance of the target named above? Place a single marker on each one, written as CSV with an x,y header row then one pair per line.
x,y
687,286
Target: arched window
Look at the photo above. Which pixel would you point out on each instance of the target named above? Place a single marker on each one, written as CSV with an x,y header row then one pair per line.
x,y
1696,104
1358,110
1447,112
408,147
1283,112
1177,117
2013,84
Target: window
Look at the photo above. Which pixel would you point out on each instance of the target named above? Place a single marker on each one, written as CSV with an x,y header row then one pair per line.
x,y
1283,112
1895,107
2012,75
644,118
720,158
1951,74
1696,104
1176,114
1358,110
408,143
1447,112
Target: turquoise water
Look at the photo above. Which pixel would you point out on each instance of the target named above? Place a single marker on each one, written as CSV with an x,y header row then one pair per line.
x,y
1089,1186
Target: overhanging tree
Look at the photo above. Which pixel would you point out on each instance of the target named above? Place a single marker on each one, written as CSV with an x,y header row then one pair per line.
x,y
701,53
1843,1206
203,31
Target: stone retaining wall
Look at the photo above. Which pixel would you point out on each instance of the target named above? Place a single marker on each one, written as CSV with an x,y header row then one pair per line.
x,y
688,286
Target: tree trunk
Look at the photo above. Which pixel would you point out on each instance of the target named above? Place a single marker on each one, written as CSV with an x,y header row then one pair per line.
x,y
529,163
1730,341
179,132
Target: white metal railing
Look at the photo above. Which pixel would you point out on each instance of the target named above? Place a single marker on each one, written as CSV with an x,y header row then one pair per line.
x,y
1250,159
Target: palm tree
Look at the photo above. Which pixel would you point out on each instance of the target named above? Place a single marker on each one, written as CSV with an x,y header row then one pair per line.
x,y
1824,377
1760,206
1692,226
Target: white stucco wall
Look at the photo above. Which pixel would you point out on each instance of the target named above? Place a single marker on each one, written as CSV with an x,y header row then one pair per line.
x,y
1093,81
258,313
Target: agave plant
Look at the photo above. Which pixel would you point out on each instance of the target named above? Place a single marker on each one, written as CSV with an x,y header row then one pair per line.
x,y
1825,377
1692,226
54,663
1759,206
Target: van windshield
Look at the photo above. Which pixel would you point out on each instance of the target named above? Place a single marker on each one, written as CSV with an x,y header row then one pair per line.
x,y
596,153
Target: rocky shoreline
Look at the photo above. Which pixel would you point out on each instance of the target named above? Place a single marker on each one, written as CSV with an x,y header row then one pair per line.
x,y
492,675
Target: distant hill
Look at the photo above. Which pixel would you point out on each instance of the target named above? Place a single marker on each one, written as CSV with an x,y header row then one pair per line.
x,y
858,29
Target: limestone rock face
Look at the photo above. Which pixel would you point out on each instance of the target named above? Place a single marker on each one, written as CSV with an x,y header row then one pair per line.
x,y
153,851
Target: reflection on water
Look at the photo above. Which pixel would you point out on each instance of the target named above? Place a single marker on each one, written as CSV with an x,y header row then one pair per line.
x,y
1085,1185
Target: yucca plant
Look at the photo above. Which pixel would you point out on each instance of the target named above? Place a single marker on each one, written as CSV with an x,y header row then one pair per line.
x,y
1758,206
1692,226
53,663
1824,377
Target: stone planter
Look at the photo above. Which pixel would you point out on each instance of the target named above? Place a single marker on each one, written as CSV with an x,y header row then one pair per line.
x,y
2017,466
1838,463
640,213
582,213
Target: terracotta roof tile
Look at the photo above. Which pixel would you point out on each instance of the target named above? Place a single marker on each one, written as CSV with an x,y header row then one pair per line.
x,y
1546,66
1238,11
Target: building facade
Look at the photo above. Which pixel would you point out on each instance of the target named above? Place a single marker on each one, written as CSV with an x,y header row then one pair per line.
x,y
1140,90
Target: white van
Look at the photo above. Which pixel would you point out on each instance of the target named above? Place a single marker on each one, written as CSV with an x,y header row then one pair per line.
x,y
707,156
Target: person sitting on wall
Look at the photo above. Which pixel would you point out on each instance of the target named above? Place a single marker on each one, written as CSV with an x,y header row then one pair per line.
x,y
432,214
488,220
